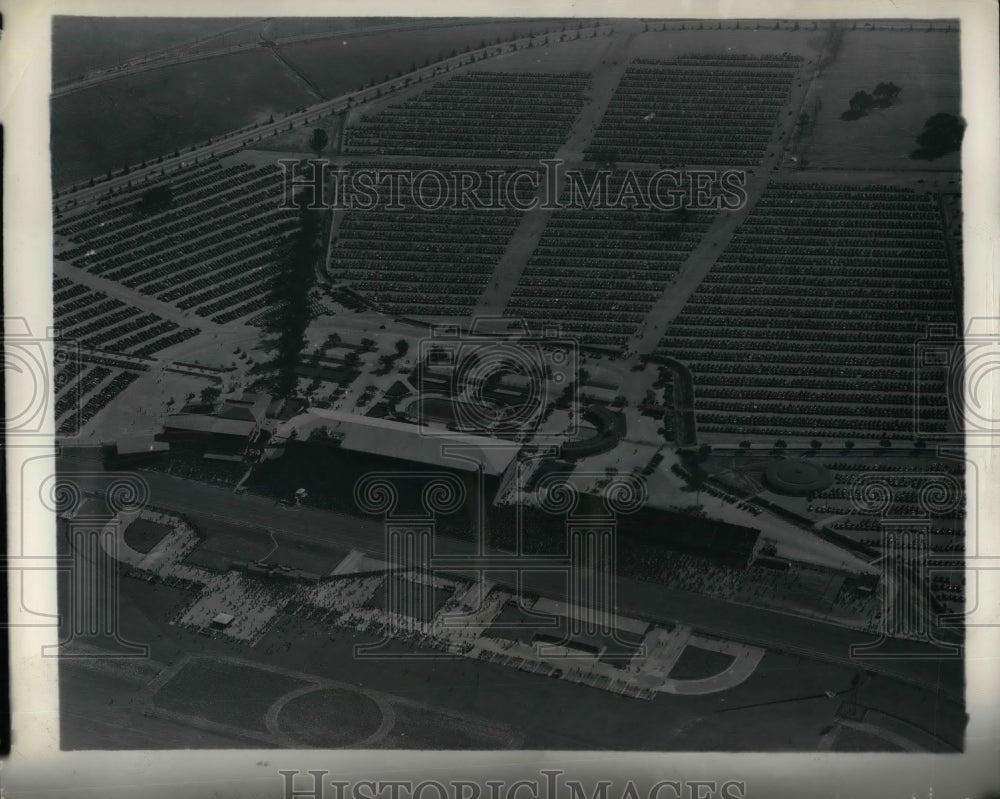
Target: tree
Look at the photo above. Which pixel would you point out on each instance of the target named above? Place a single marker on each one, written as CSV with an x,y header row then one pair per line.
x,y
352,358
885,94
288,300
848,445
942,134
859,105
780,444
318,141
210,394
402,347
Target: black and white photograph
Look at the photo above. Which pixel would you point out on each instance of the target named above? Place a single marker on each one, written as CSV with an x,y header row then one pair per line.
x,y
479,383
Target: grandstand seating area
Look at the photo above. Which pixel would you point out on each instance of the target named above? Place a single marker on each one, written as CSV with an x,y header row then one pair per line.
x,y
596,273
419,262
212,251
477,115
717,109
808,323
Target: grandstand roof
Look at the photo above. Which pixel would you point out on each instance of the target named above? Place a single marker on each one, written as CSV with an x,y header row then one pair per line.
x,y
392,439
201,423
249,407
137,445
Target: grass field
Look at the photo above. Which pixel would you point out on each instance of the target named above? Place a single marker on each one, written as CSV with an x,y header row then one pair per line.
x,y
139,117
330,718
337,66
226,693
142,535
81,44
670,44
696,663
409,599
925,65
566,57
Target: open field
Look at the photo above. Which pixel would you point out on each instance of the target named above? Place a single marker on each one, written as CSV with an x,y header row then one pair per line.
x,y
140,117
341,66
225,692
81,44
142,535
696,663
329,718
924,65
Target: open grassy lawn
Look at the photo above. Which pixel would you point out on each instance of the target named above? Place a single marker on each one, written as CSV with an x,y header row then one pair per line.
x,y
696,663
409,599
152,113
142,535
925,65
81,44
672,43
338,66
227,693
329,718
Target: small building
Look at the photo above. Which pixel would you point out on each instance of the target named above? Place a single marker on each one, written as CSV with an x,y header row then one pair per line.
x,y
135,450
222,620
140,445
225,431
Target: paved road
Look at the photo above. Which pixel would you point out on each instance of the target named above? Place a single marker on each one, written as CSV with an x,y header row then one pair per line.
x,y
758,626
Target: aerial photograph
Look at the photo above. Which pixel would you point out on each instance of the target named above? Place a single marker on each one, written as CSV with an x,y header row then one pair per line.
x,y
498,383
